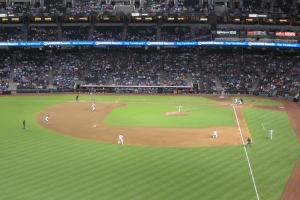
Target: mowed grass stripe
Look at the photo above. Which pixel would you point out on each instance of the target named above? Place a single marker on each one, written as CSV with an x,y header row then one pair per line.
x,y
124,172
148,172
158,171
205,173
220,172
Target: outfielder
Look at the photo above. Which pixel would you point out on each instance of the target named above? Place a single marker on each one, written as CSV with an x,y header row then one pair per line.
x,y
94,106
120,139
271,134
47,119
179,107
215,134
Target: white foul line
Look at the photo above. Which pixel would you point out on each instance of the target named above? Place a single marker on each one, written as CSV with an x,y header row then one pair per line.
x,y
263,126
237,120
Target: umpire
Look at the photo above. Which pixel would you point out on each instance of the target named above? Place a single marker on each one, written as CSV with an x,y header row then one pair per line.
x,y
249,142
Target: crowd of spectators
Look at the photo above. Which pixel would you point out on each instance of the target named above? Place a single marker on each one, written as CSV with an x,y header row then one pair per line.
x,y
203,31
75,32
204,81
294,84
122,71
254,64
30,71
108,33
223,63
82,6
62,68
85,6
176,68
141,33
148,68
175,33
11,34
99,69
68,67
42,33
276,76
5,64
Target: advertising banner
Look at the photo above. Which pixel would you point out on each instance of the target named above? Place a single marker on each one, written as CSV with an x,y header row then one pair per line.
x,y
285,34
157,43
226,32
254,33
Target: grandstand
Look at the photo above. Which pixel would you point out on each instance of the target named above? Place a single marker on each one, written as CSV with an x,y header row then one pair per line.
x,y
158,46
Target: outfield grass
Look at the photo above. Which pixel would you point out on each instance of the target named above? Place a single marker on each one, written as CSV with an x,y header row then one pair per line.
x,y
39,164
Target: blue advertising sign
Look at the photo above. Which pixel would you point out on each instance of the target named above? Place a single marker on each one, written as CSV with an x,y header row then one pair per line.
x,y
150,43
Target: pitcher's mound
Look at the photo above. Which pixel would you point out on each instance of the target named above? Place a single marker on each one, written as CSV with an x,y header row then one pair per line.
x,y
176,113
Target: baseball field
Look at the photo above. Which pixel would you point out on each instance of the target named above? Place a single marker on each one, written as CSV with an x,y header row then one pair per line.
x,y
167,154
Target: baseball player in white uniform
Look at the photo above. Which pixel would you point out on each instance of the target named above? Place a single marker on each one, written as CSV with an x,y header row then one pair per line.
x,y
47,119
271,134
179,107
94,106
235,101
120,139
215,134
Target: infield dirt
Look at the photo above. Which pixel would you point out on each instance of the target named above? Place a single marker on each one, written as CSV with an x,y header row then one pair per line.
x,y
77,119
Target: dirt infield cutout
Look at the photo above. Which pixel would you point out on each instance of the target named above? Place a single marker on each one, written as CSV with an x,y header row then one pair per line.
x,y
77,119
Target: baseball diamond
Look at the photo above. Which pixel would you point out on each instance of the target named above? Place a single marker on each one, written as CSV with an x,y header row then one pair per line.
x,y
166,154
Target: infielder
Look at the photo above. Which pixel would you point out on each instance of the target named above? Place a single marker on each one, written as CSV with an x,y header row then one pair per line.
x,y
47,119
179,107
215,134
235,101
94,106
271,134
120,139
